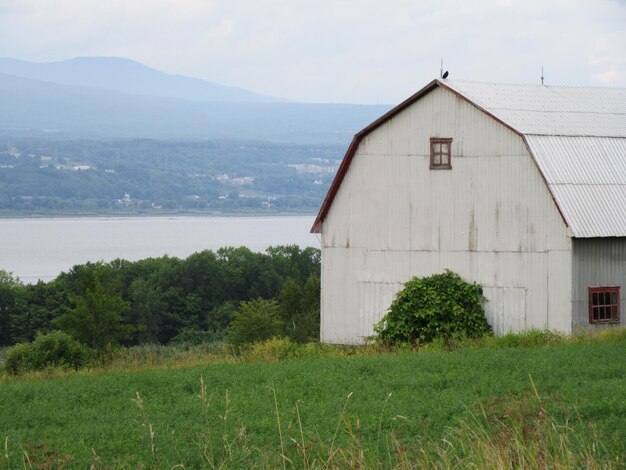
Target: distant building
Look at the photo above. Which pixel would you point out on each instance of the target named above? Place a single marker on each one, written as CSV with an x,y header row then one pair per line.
x,y
521,188
310,168
126,201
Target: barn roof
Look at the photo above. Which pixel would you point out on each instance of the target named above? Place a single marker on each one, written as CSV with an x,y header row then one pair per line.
x,y
550,110
577,136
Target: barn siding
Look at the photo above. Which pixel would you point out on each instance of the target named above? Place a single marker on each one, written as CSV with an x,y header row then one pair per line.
x,y
491,219
596,262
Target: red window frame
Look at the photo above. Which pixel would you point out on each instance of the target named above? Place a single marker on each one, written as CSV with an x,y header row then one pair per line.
x,y
604,304
440,153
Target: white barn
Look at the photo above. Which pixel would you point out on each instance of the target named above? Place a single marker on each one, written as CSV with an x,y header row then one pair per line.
x,y
521,188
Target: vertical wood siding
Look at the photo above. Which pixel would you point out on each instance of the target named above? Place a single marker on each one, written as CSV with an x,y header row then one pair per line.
x,y
491,219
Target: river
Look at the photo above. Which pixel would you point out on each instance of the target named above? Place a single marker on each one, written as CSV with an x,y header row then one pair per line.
x,y
42,248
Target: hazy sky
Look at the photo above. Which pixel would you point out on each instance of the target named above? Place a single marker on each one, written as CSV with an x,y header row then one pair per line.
x,y
368,51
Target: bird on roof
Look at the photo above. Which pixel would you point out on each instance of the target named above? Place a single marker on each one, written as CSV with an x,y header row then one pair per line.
x,y
445,75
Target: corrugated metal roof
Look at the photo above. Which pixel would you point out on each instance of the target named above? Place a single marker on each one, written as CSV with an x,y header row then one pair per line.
x,y
577,136
550,110
587,177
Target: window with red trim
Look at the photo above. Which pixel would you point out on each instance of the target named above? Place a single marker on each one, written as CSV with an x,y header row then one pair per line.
x,y
604,304
440,154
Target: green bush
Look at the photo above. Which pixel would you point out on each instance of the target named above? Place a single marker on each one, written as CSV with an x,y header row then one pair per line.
x,y
18,358
438,306
274,349
256,320
56,349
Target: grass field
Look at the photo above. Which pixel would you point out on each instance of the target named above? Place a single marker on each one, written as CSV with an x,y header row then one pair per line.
x,y
558,406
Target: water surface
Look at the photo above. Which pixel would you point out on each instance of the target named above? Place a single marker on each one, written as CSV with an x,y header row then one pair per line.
x,y
41,248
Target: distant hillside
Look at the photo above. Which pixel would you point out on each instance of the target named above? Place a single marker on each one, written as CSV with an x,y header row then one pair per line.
x,y
35,108
128,76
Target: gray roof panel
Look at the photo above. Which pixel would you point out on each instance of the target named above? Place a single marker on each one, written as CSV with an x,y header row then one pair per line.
x,y
587,177
550,110
577,136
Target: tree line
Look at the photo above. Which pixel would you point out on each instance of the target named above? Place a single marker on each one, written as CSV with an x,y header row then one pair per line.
x,y
210,296
51,176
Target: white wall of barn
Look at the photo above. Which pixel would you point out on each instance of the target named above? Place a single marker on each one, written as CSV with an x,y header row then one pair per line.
x,y
491,219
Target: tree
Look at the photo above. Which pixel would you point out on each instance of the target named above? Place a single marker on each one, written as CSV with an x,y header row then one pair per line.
x,y
148,308
256,320
300,309
96,317
8,305
219,318
290,300
309,320
311,293
32,314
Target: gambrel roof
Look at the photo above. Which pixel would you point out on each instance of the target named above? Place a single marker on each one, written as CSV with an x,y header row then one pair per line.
x,y
576,135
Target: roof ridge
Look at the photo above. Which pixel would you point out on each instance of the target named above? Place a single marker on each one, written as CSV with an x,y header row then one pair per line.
x,y
558,111
534,85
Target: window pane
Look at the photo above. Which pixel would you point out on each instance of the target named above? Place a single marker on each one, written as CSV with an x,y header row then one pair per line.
x,y
613,298
594,298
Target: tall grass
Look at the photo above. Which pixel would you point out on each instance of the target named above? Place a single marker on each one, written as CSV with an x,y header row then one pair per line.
x,y
439,410
513,432
534,440
155,356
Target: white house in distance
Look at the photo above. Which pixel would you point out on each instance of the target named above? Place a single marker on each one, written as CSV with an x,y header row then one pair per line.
x,y
521,188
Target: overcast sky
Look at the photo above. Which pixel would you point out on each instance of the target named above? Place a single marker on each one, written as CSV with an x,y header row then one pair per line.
x,y
368,51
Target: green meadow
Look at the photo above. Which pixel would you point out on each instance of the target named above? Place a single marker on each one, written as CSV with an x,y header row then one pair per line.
x,y
559,406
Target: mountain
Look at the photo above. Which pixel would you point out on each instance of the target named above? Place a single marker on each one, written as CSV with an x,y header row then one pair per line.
x,y
128,76
39,108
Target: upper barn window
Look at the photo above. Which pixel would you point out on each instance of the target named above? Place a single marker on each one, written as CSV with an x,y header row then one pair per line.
x,y
440,150
603,304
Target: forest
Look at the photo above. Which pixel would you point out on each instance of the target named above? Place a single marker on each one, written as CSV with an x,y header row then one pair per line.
x,y
169,300
48,176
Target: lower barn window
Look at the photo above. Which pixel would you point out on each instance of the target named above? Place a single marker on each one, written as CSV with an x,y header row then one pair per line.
x,y
603,304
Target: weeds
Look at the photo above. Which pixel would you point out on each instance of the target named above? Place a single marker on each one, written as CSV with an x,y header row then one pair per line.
x,y
475,408
203,395
280,432
153,356
234,448
516,431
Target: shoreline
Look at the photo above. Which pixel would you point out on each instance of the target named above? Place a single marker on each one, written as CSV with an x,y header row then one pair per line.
x,y
173,214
